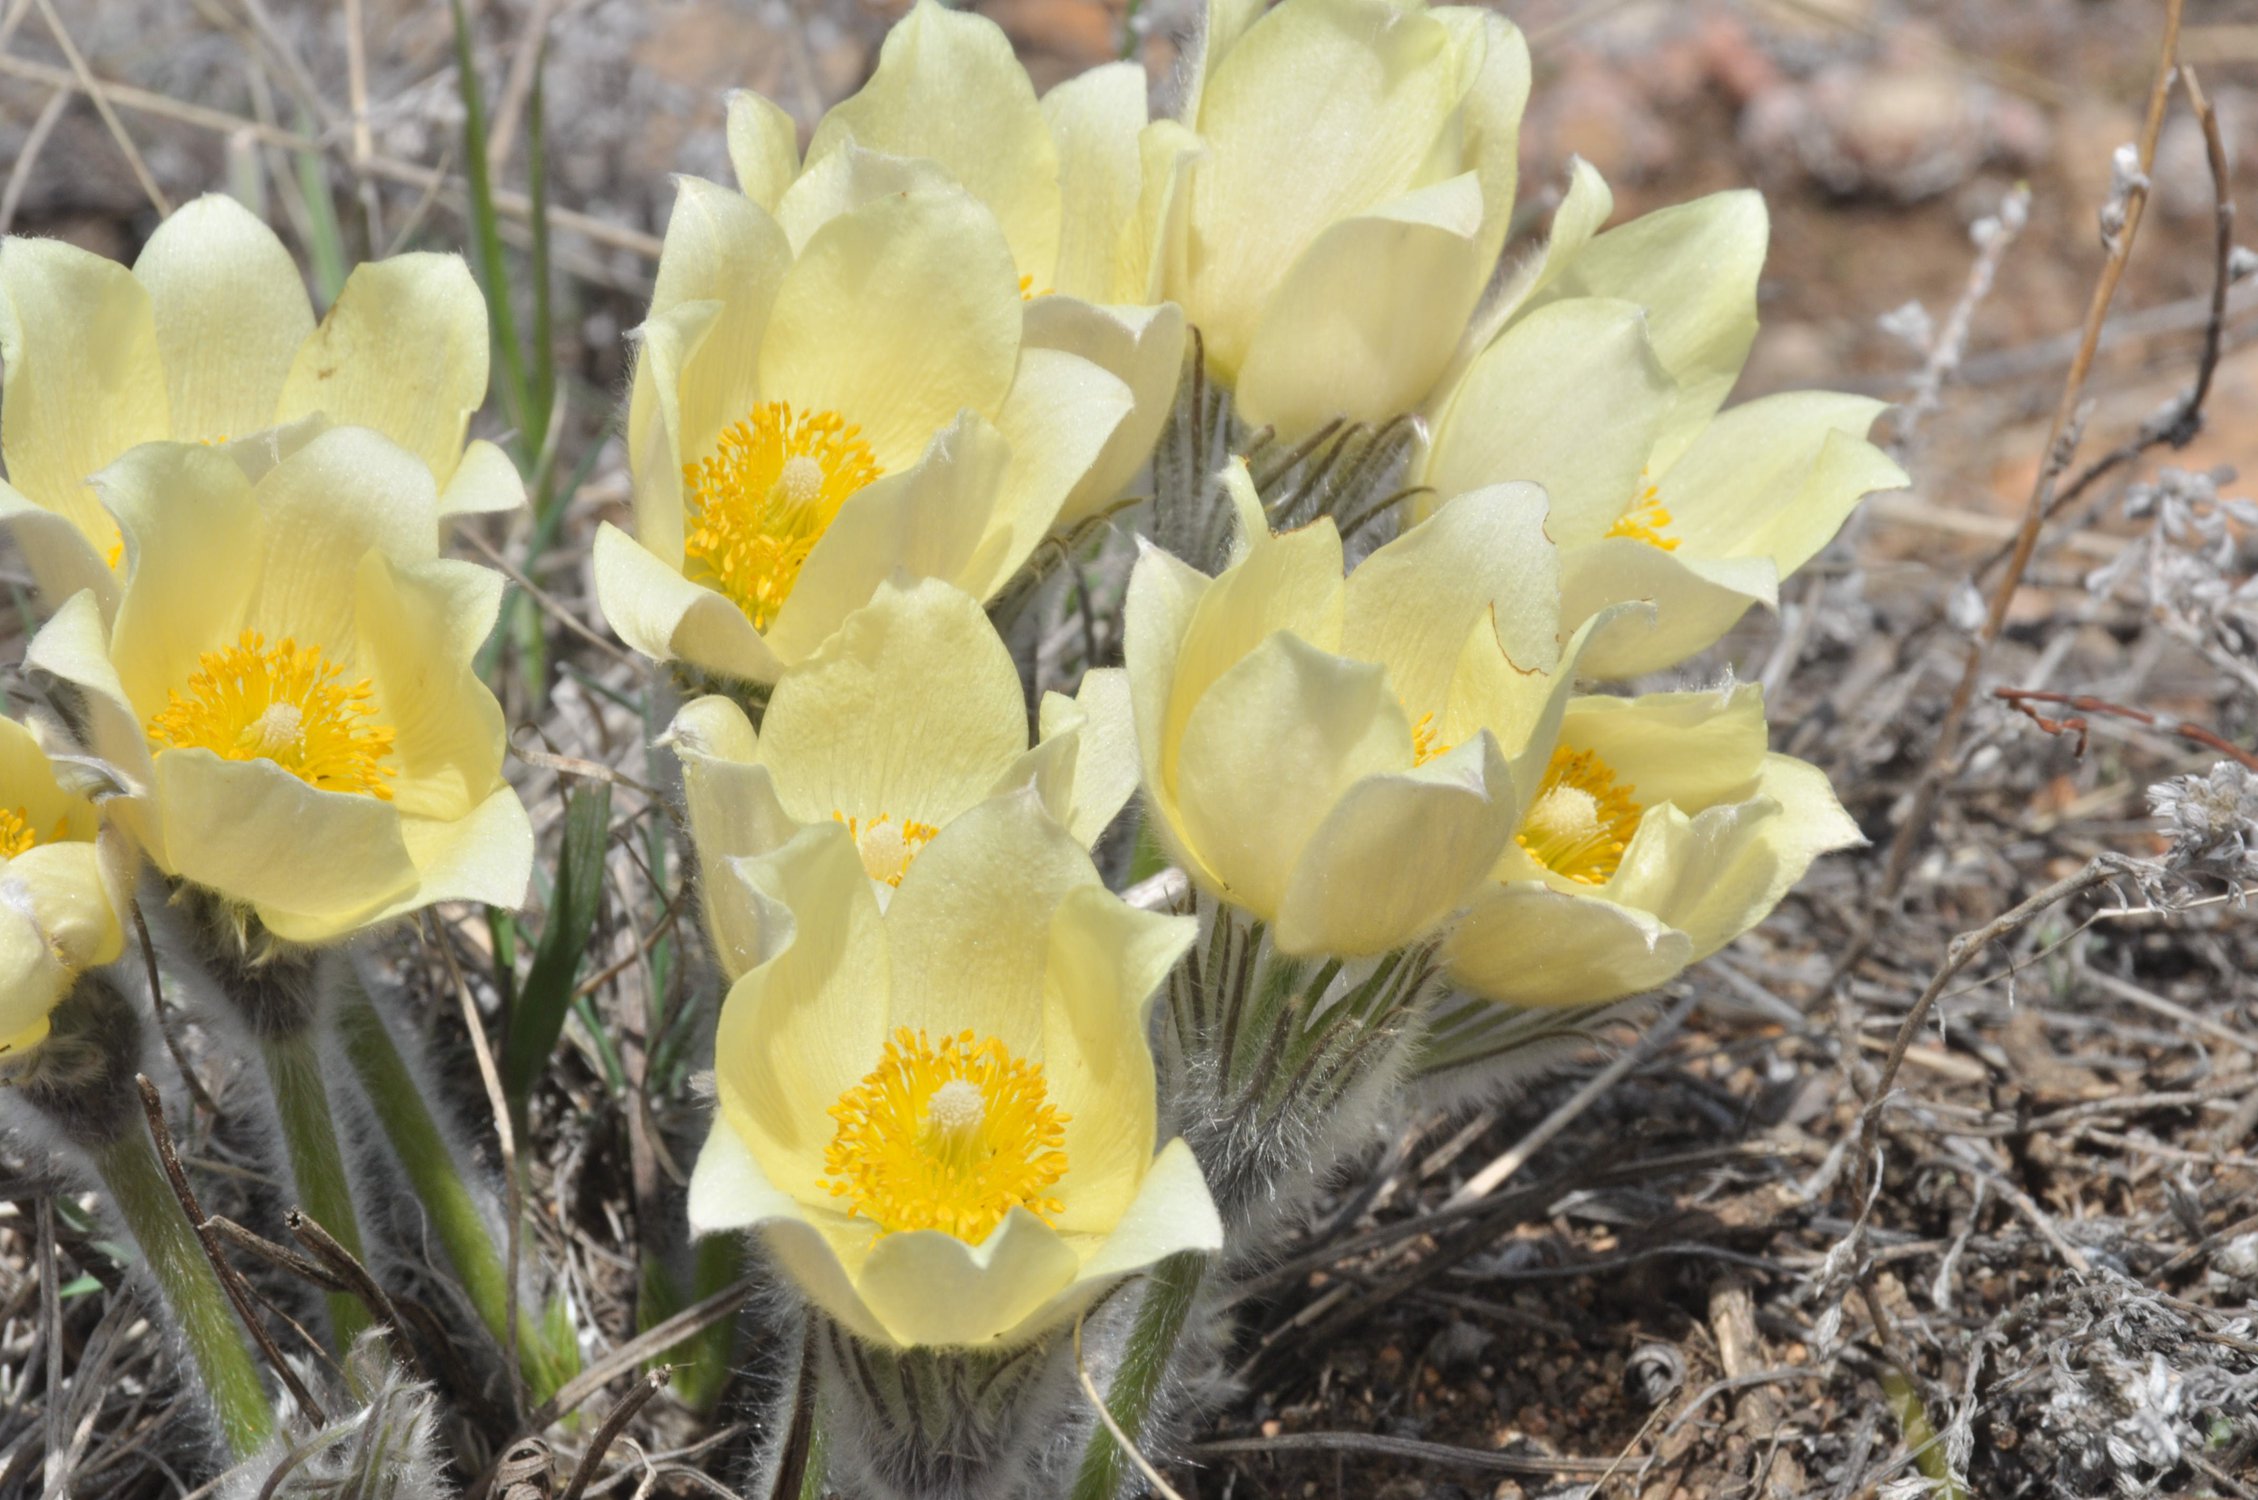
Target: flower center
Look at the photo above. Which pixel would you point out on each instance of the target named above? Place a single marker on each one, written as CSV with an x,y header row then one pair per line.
x,y
17,836
282,703
1580,821
887,847
758,505
1646,520
952,1138
1425,744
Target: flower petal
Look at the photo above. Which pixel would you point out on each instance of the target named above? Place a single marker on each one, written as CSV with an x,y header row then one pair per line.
x,y
1288,583
1777,477
421,625
1397,853
722,249
74,646
1318,112
62,561
1173,1212
734,813
1062,419
347,493
1732,863
1694,267
1584,207
764,147
230,312
1695,599
847,177
1494,63
969,927
1692,750
897,315
932,520
1143,348
1570,397
949,88
1411,604
1526,945
1095,119
1270,750
1106,961
912,710
1085,763
666,617
402,350
84,383
932,1290
728,1191
484,856
192,530
806,1025
258,835
1366,318
485,483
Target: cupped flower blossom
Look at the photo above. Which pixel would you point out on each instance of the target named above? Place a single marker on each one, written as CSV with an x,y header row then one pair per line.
x,y
1337,756
208,338
1076,180
1346,203
60,891
1600,373
1662,829
809,420
909,716
288,693
941,1115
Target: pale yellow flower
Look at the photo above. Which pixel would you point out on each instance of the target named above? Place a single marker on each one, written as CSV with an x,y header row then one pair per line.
x,y
1076,180
60,891
1662,830
287,692
908,717
209,338
1338,757
807,422
1347,201
1600,373
941,1115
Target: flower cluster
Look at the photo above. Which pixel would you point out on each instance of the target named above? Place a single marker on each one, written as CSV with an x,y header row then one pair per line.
x,y
889,390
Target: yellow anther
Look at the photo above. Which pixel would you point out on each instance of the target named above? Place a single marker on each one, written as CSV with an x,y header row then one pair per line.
x,y
950,1137
1581,819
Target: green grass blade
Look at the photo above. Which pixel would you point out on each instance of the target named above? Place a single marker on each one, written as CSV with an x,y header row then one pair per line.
x,y
327,239
486,236
546,995
543,377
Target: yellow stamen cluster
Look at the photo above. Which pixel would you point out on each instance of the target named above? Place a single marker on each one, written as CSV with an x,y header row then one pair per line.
x,y
758,505
17,836
1647,520
283,703
1581,820
952,1137
887,847
1425,744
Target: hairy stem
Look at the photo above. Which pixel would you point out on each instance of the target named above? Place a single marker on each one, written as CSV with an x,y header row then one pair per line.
x,y
317,1166
450,1205
1144,1366
128,1168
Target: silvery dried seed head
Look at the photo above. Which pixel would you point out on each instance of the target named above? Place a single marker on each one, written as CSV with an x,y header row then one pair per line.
x,y
2212,820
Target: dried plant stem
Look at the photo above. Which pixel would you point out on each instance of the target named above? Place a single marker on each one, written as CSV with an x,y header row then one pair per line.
x,y
2059,447
317,1165
451,1206
1112,1452
174,1254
